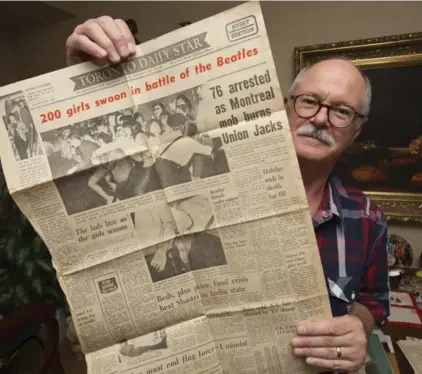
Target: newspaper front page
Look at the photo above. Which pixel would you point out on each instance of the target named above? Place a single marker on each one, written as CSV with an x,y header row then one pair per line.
x,y
169,194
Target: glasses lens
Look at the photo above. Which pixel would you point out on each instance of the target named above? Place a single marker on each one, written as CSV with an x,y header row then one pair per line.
x,y
306,106
341,116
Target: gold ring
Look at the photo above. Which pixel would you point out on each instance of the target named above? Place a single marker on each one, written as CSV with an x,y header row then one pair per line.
x,y
338,352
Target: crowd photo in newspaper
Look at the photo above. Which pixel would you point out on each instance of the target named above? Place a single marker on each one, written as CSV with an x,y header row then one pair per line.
x,y
157,127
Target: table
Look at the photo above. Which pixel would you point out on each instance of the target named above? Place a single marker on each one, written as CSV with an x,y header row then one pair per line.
x,y
399,332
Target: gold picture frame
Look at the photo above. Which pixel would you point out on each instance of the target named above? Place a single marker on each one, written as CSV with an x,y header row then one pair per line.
x,y
388,52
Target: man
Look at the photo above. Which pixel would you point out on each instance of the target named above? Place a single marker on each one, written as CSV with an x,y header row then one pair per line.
x,y
327,107
84,146
25,114
184,106
20,135
177,154
126,176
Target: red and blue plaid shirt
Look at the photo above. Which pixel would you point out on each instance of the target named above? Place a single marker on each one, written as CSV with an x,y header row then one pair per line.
x,y
351,233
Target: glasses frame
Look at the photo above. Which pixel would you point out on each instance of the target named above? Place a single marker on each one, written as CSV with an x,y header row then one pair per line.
x,y
329,107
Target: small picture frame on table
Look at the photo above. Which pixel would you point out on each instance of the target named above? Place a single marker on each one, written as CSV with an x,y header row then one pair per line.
x,y
404,310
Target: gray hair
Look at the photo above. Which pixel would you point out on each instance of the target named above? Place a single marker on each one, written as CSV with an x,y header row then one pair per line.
x,y
368,89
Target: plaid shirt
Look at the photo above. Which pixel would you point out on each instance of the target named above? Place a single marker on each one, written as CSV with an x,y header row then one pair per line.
x,y
351,233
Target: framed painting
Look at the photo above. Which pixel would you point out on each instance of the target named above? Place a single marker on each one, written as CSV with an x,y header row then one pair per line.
x,y
386,160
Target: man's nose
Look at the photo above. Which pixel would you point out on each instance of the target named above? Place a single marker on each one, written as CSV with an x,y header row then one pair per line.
x,y
321,117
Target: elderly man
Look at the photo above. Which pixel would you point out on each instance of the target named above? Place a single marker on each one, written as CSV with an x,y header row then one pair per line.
x,y
327,107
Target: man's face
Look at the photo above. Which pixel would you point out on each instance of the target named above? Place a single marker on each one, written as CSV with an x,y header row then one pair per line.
x,y
66,133
140,120
126,132
119,131
333,83
101,128
75,142
180,128
181,106
184,243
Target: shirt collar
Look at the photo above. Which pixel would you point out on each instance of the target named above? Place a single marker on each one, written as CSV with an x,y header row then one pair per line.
x,y
337,194
331,201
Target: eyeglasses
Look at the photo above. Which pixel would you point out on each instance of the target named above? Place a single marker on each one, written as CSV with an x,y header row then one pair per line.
x,y
307,106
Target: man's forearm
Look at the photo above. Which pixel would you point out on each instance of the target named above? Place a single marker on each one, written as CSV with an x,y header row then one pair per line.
x,y
365,316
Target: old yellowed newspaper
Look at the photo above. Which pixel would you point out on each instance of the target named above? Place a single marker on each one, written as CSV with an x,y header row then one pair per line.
x,y
412,349
169,194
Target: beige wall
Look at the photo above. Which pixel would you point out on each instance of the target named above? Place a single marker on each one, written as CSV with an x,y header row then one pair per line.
x,y
289,24
293,24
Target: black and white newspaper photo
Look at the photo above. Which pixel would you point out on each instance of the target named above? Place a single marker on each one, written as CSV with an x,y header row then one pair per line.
x,y
187,215
170,151
144,345
181,152
185,253
19,124
182,231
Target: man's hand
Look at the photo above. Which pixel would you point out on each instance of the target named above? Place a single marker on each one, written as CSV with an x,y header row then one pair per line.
x,y
101,38
318,342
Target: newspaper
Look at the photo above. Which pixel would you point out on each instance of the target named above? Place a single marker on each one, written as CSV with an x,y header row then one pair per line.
x,y
412,349
168,192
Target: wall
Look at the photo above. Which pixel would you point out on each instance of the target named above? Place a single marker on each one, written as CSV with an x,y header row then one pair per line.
x,y
42,49
8,67
50,41
289,24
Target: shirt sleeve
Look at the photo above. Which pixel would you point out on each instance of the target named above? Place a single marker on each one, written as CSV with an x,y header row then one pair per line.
x,y
375,286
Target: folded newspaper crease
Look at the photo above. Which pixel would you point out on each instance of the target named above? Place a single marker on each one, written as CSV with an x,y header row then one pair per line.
x,y
169,194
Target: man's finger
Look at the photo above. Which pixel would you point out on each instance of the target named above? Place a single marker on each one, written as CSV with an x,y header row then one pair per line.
x,y
117,37
96,34
333,365
81,43
124,29
332,326
329,353
322,341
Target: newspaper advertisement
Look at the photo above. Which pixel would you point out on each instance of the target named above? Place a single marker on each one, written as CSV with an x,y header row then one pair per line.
x,y
168,192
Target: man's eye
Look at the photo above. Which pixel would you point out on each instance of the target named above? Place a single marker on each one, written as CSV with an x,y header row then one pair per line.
x,y
344,112
309,101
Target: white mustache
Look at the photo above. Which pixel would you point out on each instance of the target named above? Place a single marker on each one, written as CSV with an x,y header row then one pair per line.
x,y
319,134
